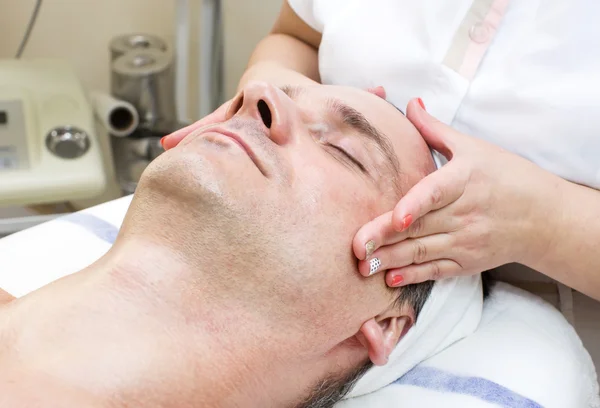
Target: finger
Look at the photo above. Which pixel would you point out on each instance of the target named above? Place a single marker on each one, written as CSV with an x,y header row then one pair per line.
x,y
372,235
408,252
380,231
219,115
5,297
379,91
434,270
439,189
436,134
173,139
432,223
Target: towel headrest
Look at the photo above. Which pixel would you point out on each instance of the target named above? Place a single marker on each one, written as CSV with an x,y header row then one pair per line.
x,y
452,312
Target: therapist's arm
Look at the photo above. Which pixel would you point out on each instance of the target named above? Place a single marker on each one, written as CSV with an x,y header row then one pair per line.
x,y
571,250
5,297
288,54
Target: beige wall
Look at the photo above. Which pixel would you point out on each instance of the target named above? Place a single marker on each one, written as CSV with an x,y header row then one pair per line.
x,y
246,22
80,30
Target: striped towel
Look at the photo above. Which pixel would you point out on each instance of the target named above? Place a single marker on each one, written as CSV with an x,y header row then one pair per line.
x,y
524,354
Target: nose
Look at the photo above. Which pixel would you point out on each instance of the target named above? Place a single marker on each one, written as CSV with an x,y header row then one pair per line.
x,y
267,105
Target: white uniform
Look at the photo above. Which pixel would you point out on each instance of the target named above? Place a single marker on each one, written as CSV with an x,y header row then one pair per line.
x,y
522,74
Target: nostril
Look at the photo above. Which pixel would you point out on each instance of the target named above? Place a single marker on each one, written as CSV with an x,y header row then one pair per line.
x,y
265,113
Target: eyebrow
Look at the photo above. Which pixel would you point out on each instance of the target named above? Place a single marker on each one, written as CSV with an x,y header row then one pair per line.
x,y
357,121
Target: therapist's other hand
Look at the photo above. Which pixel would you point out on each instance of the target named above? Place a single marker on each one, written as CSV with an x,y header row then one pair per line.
x,y
475,213
5,297
218,116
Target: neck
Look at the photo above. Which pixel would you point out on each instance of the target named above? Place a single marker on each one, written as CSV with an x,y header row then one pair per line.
x,y
141,325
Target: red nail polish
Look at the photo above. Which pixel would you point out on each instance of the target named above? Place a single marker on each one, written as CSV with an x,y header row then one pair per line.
x,y
397,280
162,141
421,103
407,221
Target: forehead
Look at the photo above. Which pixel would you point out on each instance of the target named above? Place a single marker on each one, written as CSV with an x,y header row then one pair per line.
x,y
372,106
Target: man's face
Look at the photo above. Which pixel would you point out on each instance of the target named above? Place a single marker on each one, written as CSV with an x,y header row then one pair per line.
x,y
281,187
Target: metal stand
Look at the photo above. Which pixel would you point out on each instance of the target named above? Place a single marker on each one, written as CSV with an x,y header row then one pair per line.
x,y
210,87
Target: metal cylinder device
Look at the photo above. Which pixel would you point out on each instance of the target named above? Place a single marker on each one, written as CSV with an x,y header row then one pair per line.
x,y
120,118
135,42
144,78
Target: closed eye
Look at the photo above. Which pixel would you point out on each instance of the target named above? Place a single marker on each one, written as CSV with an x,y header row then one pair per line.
x,y
349,157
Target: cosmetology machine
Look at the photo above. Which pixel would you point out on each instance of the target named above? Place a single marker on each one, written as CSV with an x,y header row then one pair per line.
x,y
141,75
49,149
63,148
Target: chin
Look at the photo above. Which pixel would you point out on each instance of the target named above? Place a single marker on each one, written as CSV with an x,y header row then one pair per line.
x,y
203,179
183,177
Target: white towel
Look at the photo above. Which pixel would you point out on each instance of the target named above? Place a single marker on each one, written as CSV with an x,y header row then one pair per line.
x,y
524,354
39,255
452,312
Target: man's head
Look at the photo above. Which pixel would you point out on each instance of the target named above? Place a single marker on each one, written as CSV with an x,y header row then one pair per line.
x,y
269,201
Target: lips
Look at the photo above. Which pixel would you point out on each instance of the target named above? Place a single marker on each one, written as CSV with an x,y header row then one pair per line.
x,y
240,142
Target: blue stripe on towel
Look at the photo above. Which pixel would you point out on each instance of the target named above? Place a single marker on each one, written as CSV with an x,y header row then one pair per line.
x,y
97,226
438,380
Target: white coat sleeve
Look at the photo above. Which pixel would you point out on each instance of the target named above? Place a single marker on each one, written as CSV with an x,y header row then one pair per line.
x,y
307,10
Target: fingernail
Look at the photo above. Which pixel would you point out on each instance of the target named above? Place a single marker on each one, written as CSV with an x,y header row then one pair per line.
x,y
406,221
162,141
421,103
374,264
370,247
397,280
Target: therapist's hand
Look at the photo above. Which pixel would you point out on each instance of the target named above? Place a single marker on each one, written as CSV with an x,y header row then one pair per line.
x,y
218,116
5,297
481,210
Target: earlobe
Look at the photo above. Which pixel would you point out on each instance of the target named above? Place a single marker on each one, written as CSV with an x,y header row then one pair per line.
x,y
381,337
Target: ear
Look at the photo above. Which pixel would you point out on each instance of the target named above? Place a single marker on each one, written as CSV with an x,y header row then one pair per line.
x,y
381,334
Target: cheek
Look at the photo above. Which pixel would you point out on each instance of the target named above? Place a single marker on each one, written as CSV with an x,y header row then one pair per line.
x,y
314,220
321,184
324,215
335,297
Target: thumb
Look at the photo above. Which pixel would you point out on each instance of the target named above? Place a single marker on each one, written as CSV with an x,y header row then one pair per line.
x,y
436,134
